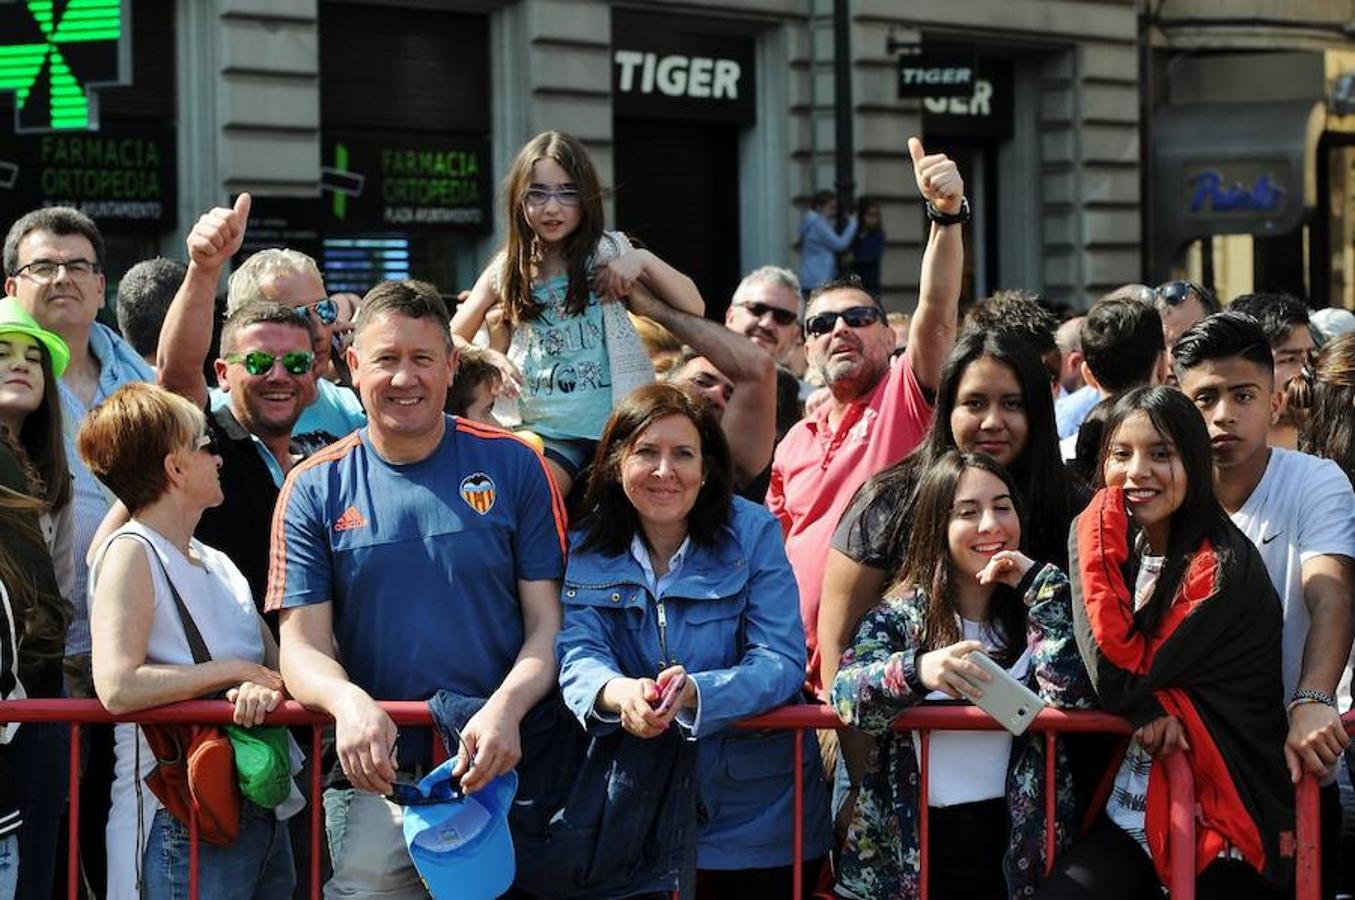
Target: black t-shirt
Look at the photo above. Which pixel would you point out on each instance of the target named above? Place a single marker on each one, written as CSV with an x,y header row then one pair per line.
x,y
240,526
863,534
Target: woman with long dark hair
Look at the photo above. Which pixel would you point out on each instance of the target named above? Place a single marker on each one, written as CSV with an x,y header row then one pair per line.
x,y
32,439
31,361
965,588
1179,627
993,398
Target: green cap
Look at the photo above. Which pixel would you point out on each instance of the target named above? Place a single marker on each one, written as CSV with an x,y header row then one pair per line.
x,y
14,317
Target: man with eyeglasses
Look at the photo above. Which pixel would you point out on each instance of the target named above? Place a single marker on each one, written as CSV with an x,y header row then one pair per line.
x,y
880,405
54,267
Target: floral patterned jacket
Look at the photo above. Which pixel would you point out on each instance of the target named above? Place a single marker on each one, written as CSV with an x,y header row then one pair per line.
x,y
880,859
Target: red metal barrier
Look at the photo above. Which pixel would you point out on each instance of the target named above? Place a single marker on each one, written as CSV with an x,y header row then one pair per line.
x,y
800,719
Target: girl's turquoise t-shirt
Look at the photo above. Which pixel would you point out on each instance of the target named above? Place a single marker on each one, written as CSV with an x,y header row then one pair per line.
x,y
567,381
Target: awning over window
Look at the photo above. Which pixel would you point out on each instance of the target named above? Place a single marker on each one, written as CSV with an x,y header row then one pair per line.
x,y
1232,168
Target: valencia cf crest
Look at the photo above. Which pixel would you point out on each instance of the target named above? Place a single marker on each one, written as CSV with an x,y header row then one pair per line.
x,y
478,490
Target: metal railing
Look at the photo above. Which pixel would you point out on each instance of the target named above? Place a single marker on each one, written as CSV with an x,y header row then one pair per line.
x,y
800,719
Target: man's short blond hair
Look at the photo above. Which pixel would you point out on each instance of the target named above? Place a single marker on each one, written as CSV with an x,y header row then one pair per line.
x,y
246,282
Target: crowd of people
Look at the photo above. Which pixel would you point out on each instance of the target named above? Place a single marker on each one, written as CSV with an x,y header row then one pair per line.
x,y
594,528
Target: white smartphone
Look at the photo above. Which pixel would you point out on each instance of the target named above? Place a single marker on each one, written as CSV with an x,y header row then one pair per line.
x,y
1007,700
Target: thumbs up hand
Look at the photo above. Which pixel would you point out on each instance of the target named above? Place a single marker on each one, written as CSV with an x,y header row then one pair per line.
x,y
938,178
218,234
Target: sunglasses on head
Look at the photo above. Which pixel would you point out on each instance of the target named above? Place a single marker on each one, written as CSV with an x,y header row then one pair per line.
x,y
257,362
1174,293
780,316
207,443
855,317
325,309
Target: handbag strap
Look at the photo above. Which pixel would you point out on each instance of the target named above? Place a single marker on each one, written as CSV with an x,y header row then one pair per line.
x,y
190,628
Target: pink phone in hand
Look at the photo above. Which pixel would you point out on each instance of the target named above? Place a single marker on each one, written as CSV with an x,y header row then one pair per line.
x,y
671,692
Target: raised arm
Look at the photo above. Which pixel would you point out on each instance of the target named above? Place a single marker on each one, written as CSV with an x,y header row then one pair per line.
x,y
932,332
749,419
618,277
1060,676
186,336
471,312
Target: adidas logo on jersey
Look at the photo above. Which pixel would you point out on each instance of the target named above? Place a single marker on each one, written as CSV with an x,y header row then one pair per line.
x,y
350,519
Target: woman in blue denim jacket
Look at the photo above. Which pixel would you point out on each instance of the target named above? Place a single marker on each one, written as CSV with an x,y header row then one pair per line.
x,y
681,611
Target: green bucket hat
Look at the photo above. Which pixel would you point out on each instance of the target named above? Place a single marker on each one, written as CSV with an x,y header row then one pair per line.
x,y
14,318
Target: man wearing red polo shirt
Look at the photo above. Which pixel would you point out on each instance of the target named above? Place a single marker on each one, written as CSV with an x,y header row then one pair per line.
x,y
879,407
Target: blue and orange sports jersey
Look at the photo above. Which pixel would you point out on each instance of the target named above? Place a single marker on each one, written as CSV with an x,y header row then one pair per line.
x,y
421,561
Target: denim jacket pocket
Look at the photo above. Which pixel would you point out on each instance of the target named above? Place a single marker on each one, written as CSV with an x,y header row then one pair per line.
x,y
703,612
626,600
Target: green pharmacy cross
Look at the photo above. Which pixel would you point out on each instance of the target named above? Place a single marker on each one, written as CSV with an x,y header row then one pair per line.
x,y
53,53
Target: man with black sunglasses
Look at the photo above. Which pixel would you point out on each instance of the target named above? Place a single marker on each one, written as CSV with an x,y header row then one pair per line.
x,y
1181,304
880,405
765,309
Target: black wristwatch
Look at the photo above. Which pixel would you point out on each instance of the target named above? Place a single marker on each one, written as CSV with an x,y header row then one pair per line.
x,y
912,663
955,218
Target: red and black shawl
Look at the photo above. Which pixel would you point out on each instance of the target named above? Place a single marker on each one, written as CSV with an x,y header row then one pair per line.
x,y
1214,663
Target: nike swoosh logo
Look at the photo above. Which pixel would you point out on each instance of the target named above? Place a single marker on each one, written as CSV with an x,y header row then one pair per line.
x,y
1267,540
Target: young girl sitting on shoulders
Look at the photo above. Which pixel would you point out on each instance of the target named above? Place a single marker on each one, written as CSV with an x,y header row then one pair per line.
x,y
574,354
964,588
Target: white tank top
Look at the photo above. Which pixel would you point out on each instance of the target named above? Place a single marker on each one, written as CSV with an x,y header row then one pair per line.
x,y
218,598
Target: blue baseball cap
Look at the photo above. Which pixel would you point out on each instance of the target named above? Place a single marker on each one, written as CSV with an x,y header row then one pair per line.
x,y
461,844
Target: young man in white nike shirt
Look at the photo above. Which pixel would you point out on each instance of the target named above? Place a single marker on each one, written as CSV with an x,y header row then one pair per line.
x,y
1299,511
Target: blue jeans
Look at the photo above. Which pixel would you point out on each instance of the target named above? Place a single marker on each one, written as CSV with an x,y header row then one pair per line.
x,y
258,866
9,866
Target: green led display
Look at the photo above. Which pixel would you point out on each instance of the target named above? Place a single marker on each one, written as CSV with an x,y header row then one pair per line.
x,y
54,54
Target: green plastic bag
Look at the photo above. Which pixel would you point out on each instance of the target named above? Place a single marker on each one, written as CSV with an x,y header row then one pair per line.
x,y
263,763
